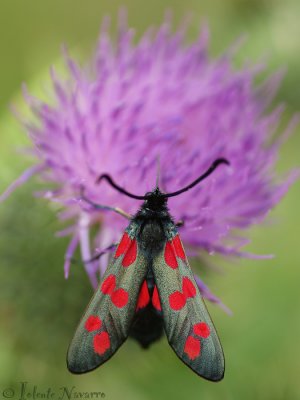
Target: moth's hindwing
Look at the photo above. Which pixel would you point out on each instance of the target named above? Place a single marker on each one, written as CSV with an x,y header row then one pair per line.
x,y
187,323
107,320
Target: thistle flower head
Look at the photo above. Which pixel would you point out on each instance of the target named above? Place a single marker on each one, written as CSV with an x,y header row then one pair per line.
x,y
159,99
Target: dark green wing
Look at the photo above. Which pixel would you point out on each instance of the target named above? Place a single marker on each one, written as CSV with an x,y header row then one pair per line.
x,y
107,319
187,323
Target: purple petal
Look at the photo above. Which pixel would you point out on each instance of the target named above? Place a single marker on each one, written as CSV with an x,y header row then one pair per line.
x,y
69,254
27,174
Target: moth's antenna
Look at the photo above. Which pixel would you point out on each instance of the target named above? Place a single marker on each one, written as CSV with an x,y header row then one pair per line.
x,y
213,166
157,170
211,169
119,188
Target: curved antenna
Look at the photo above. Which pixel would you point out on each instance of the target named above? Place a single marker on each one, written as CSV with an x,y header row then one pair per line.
x,y
213,166
211,169
119,188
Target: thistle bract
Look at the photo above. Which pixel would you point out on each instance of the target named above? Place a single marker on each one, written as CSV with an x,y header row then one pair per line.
x,y
160,98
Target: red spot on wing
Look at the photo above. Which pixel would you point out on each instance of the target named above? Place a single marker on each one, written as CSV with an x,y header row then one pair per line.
x,y
170,256
93,323
144,296
123,245
178,247
101,343
155,299
130,255
108,285
177,300
202,329
188,287
192,347
119,298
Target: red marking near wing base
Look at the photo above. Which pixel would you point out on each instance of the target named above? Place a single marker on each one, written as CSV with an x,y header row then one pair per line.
x,y
188,287
101,343
192,347
123,245
108,285
177,300
119,298
130,255
155,299
202,329
170,257
144,296
93,323
178,247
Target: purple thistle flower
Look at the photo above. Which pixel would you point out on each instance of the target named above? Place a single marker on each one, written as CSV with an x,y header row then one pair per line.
x,y
159,99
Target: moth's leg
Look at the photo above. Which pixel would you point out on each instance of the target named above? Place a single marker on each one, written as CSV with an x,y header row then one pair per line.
x,y
102,207
96,256
180,223
101,253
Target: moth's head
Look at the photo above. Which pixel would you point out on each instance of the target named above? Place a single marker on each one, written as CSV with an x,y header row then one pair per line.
x,y
155,200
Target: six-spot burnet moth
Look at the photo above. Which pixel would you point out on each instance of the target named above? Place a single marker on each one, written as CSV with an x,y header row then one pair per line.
x,y
147,288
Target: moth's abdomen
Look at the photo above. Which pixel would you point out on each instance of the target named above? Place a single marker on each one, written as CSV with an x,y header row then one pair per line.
x,y
147,327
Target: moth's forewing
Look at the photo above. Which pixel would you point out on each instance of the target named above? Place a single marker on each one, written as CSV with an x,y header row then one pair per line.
x,y
107,320
187,323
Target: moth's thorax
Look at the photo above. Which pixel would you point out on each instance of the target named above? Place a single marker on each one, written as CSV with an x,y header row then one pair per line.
x,y
154,222
152,236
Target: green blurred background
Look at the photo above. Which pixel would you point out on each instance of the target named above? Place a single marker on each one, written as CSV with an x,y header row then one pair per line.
x,y
39,309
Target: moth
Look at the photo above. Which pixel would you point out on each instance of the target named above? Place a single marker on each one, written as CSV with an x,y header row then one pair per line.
x,y
149,288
